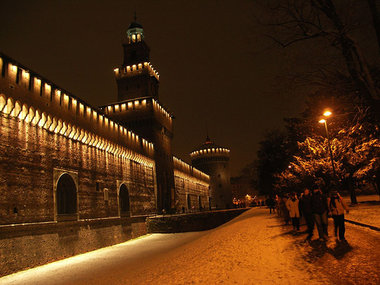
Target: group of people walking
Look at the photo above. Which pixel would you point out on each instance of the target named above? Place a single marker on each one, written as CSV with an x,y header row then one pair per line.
x,y
315,207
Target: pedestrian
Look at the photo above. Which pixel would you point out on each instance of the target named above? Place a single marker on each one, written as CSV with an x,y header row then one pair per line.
x,y
277,202
270,204
284,210
337,207
319,207
292,204
307,212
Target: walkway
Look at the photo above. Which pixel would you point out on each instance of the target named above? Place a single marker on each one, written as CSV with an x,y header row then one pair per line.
x,y
254,248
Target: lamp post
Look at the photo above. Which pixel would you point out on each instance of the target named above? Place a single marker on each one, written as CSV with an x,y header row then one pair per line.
x,y
324,121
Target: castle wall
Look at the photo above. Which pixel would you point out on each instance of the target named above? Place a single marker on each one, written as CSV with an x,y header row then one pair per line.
x,y
37,100
34,156
49,136
43,140
33,159
191,187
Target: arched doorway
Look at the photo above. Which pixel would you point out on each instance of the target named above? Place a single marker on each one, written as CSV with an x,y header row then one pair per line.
x,y
66,195
124,201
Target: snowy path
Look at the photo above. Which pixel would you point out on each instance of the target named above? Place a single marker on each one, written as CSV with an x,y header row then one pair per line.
x,y
254,248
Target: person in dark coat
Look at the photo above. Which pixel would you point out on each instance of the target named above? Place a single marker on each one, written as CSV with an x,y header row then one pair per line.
x,y
284,209
270,204
307,212
319,205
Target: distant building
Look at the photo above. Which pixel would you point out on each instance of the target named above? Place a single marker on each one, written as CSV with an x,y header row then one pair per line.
x,y
243,189
213,160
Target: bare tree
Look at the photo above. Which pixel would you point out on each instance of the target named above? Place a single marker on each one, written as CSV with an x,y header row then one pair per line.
x,y
374,7
293,21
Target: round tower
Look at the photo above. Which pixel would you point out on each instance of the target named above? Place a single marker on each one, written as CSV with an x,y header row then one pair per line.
x,y
213,160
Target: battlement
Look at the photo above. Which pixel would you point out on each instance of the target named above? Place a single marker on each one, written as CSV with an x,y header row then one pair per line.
x,y
184,170
137,69
28,96
209,152
143,104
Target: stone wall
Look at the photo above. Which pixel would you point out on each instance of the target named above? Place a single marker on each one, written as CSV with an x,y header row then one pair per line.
x,y
32,159
27,246
192,189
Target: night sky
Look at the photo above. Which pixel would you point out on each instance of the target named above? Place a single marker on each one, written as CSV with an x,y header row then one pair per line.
x,y
216,67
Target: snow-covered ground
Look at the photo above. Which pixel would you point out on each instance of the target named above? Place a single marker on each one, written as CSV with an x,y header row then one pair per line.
x,y
254,248
366,213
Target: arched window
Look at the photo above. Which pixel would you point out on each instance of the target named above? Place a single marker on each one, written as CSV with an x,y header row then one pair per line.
x,y
66,195
124,201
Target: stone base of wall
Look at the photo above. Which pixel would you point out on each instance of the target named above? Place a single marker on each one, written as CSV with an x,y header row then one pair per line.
x,y
191,222
29,245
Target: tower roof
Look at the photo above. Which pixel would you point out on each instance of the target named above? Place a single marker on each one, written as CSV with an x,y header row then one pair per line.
x,y
209,145
134,25
135,30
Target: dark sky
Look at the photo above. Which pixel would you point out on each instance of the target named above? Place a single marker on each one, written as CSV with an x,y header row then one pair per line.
x,y
216,68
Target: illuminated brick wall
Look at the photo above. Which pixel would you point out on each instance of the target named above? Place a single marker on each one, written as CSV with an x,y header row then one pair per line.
x,y
43,137
191,187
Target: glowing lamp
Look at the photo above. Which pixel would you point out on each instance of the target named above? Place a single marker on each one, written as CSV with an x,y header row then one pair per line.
x,y
322,121
327,113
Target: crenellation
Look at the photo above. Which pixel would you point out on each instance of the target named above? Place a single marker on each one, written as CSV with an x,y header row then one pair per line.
x,y
135,69
140,104
190,171
58,126
210,152
60,100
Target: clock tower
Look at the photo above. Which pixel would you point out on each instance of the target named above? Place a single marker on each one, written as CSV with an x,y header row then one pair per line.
x,y
140,78
139,110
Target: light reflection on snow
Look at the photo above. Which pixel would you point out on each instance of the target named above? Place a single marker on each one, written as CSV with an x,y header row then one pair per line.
x,y
71,261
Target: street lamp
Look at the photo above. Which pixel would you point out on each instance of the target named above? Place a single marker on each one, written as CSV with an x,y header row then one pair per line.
x,y
324,121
